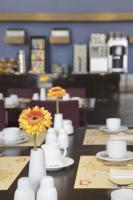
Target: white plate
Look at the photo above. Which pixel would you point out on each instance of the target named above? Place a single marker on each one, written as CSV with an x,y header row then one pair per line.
x,y
104,128
21,140
104,156
11,106
67,161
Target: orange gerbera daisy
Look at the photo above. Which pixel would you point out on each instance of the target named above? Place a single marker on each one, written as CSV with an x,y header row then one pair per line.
x,y
34,121
56,92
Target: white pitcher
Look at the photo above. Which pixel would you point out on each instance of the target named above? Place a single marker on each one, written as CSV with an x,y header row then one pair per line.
x,y
51,136
53,155
63,141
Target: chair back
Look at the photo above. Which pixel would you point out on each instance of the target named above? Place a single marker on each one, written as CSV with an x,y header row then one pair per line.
x,y
69,109
76,92
2,115
22,92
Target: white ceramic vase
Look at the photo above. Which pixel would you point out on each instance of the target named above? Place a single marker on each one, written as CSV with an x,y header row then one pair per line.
x,y
24,190
58,121
37,168
42,94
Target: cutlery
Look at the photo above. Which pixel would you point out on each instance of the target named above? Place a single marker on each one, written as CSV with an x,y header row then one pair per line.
x,y
120,184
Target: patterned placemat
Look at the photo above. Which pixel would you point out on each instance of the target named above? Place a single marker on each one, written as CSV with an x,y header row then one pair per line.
x,y
93,173
10,168
29,143
97,137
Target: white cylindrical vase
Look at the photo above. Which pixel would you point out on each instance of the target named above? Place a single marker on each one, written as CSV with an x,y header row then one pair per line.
x,y
58,121
37,168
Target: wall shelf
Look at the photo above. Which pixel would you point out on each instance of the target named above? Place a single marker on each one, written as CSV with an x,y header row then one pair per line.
x,y
14,40
67,17
59,40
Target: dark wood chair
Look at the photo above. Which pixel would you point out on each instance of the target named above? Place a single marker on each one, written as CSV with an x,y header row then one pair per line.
x,y
76,92
2,115
69,109
22,92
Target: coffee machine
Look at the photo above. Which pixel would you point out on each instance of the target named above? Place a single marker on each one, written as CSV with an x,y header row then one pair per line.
x,y
117,53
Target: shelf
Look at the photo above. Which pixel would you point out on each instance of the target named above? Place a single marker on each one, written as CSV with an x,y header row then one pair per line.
x,y
14,40
59,40
130,39
67,17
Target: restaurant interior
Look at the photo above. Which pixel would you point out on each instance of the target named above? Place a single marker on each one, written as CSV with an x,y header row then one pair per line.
x,y
66,100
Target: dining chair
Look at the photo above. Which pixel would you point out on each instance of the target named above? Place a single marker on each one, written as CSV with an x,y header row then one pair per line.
x,y
2,115
22,92
69,109
76,92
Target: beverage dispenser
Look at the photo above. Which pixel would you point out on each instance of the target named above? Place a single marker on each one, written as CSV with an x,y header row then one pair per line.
x,y
117,53
98,53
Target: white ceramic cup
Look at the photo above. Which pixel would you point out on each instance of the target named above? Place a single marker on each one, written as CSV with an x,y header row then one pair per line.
x,y
1,96
122,194
8,101
11,134
113,124
35,96
14,98
53,155
116,148
66,96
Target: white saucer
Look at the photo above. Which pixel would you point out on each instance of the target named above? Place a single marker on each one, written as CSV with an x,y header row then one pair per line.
x,y
11,105
67,161
104,156
19,141
104,128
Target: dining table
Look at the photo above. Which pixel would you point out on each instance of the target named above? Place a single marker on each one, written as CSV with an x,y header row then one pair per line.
x,y
64,178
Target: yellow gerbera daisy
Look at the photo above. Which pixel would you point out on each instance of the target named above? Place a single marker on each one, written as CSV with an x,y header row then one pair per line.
x,y
56,92
43,77
35,120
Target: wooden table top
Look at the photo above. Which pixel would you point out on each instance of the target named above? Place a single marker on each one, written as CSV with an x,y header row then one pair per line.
x,y
65,178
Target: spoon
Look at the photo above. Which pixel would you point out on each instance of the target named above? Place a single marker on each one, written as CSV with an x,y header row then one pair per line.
x,y
120,184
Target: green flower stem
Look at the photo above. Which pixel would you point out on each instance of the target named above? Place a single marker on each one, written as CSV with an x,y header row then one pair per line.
x,y
34,142
57,105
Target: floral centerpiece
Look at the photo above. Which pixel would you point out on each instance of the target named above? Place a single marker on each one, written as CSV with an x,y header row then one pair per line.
x,y
57,93
34,121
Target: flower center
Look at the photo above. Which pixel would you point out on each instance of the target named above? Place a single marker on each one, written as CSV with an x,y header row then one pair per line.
x,y
35,117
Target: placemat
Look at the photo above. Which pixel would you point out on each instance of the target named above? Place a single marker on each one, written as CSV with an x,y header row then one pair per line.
x,y
29,143
10,168
93,173
97,137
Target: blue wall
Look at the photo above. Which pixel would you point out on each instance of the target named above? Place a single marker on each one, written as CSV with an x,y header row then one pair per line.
x,y
80,32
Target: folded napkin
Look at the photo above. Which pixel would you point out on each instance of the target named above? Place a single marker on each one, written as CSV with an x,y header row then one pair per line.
x,y
121,173
122,137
